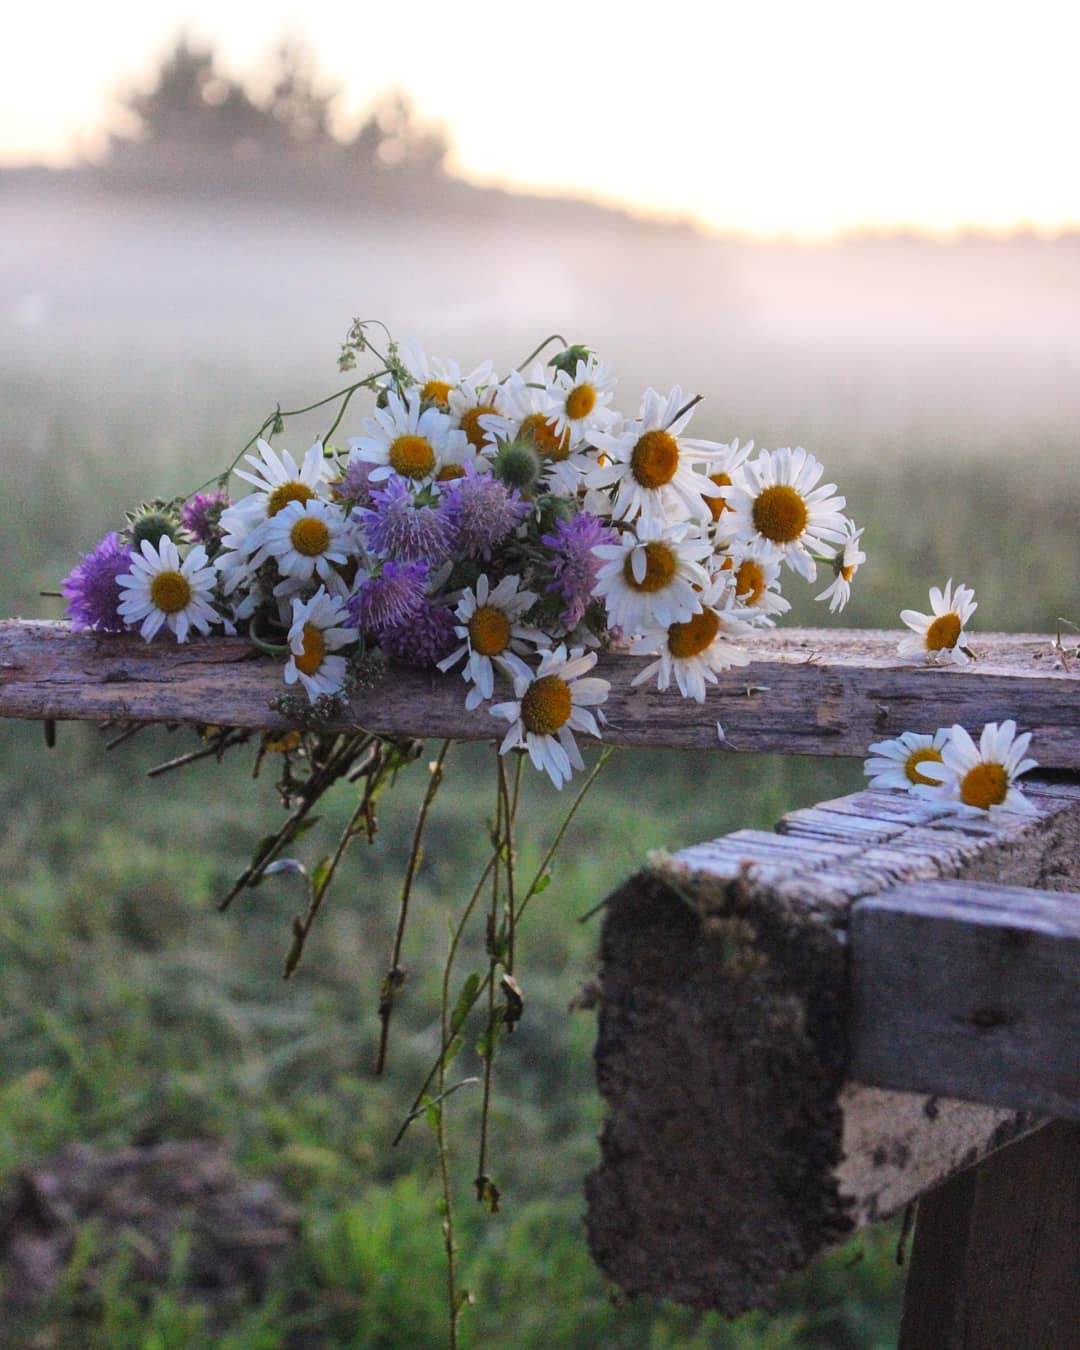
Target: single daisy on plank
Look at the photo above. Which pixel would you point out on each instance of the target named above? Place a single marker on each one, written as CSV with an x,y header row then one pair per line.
x,y
408,439
489,621
320,627
580,400
549,706
161,591
695,651
305,539
899,763
652,466
941,635
847,562
981,779
780,513
755,584
653,575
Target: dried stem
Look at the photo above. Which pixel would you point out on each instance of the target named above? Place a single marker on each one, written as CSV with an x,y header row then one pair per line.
x,y
395,976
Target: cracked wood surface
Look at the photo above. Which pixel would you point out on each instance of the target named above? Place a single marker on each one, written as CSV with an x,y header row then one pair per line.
x,y
807,691
736,1144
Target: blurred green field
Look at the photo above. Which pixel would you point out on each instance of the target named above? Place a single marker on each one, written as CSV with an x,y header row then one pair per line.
x,y
130,1009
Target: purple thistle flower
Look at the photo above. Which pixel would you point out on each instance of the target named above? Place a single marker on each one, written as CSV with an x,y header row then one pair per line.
x,y
90,587
353,488
425,639
483,511
395,526
202,515
575,567
390,599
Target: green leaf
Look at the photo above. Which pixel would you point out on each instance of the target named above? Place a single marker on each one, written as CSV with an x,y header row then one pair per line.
x,y
319,875
432,1113
542,884
452,1051
464,1002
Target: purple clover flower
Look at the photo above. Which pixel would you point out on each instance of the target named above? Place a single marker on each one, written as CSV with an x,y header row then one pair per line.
x,y
391,599
90,587
353,488
425,639
575,567
202,515
482,510
395,526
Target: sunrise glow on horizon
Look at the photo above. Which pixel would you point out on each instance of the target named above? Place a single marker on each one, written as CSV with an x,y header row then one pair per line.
x,y
777,120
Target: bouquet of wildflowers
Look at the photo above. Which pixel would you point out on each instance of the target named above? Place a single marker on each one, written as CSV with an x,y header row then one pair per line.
x,y
503,527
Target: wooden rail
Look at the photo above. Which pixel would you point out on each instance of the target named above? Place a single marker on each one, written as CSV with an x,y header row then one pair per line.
x,y
808,691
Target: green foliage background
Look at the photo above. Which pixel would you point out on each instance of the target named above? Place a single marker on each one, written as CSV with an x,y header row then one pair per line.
x,y
130,1009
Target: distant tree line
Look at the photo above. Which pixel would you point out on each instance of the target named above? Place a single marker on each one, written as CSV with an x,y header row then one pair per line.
x,y
195,118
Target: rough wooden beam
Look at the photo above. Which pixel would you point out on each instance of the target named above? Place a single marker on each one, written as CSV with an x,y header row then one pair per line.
x,y
996,1259
970,989
808,691
736,1147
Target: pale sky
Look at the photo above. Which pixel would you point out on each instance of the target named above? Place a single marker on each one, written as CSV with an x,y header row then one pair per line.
x,y
801,118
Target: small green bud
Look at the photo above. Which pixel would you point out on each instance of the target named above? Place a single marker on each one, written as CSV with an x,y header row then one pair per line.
x,y
568,360
154,521
517,464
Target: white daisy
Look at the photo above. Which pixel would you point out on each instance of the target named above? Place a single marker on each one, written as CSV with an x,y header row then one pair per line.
x,y
696,650
549,707
580,401
532,415
780,514
435,377
720,513
407,439
941,635
653,466
279,480
898,763
846,563
980,779
304,539
653,576
319,627
489,623
161,591
474,409
755,584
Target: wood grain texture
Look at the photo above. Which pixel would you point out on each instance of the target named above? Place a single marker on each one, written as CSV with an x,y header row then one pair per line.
x,y
808,691
969,989
736,1146
996,1258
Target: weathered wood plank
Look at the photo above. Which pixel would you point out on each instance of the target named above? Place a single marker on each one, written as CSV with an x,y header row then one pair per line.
x,y
808,691
969,989
996,1258
736,1146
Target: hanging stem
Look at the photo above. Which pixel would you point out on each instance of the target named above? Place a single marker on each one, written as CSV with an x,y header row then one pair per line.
x,y
395,976
554,337
484,1186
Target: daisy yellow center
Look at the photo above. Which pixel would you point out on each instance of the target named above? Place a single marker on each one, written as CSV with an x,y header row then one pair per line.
x,y
848,572
450,471
580,401
545,438
310,536
470,424
489,631
693,637
546,705
780,514
170,592
984,786
943,633
436,391
655,459
917,757
285,493
750,581
412,456
717,505
660,568
311,658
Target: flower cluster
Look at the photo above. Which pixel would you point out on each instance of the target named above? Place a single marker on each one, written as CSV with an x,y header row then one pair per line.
x,y
501,527
949,767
